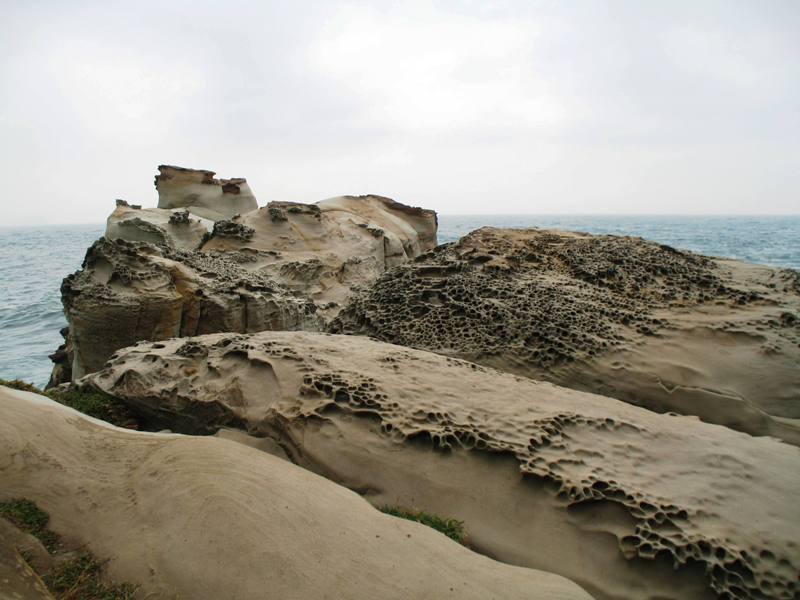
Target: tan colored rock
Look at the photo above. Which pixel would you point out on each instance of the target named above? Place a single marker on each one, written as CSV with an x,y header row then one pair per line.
x,y
618,316
202,517
323,250
132,291
156,226
628,503
159,273
197,191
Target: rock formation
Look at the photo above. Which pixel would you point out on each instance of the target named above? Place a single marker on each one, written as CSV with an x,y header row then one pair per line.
x,y
197,191
619,316
157,226
131,291
199,517
163,272
325,249
628,503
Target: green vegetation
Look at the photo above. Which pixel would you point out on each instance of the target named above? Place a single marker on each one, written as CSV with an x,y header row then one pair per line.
x,y
450,527
77,575
93,403
96,404
28,517
79,578
18,384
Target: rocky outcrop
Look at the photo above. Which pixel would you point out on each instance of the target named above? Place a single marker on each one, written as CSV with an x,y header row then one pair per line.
x,y
623,317
628,503
163,272
157,226
200,517
131,291
197,191
324,250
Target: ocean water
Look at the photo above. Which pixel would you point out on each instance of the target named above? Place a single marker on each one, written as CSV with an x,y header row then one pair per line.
x,y
34,260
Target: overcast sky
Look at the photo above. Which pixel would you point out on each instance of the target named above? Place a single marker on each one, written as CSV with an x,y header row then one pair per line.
x,y
461,106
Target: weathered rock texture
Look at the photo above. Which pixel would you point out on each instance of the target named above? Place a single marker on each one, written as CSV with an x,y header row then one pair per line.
x,y
324,249
197,191
132,291
198,517
285,266
156,225
626,502
619,316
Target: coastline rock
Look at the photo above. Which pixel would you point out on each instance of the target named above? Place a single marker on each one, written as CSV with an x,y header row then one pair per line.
x,y
619,316
197,191
132,291
325,249
161,272
156,226
189,517
628,503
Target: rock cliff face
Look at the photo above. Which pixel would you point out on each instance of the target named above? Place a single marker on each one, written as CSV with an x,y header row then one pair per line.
x,y
199,517
201,194
131,291
164,272
628,503
623,317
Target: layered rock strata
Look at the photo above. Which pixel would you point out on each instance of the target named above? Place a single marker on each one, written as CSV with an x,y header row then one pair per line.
x,y
132,291
620,316
628,503
190,517
197,191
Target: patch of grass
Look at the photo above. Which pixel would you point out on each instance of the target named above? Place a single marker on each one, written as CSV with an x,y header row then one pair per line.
x,y
18,384
79,578
28,517
96,404
450,527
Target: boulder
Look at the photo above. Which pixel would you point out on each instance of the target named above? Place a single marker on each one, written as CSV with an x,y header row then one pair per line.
x,y
628,503
202,517
623,317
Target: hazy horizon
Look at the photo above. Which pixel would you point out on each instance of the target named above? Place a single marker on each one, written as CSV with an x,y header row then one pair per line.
x,y
529,108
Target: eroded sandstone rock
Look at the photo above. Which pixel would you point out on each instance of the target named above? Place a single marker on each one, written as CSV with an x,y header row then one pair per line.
x,y
323,250
197,191
201,517
286,266
131,291
620,316
157,226
629,503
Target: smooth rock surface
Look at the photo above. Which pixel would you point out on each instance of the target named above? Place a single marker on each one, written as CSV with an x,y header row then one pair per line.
x,y
619,316
202,517
628,503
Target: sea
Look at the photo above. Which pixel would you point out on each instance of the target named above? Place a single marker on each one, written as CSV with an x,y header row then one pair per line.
x,y
34,260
